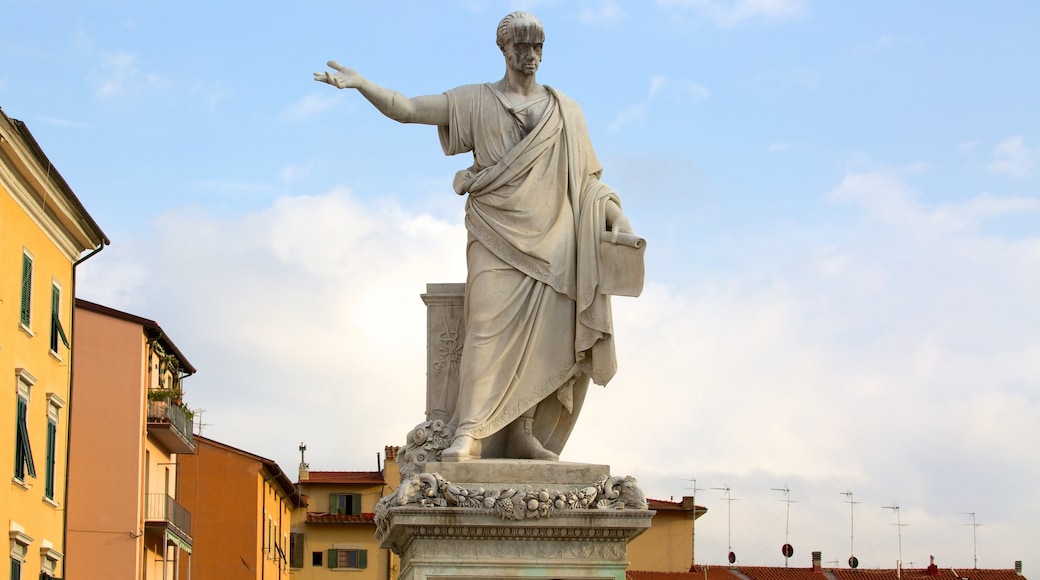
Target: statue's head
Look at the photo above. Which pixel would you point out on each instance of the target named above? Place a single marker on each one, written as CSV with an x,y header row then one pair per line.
x,y
520,37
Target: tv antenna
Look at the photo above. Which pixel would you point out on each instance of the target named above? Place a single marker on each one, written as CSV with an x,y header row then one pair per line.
x,y
853,561
729,521
693,529
198,413
974,537
787,550
899,526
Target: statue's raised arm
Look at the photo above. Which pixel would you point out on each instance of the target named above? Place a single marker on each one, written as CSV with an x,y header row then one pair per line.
x,y
426,110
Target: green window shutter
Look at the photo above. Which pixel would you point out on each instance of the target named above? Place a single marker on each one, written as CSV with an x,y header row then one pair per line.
x,y
23,450
333,558
57,332
27,265
362,558
355,504
52,440
333,503
296,545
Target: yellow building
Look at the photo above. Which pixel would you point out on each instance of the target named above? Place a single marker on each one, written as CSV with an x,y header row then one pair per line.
x,y
129,426
44,232
334,530
241,507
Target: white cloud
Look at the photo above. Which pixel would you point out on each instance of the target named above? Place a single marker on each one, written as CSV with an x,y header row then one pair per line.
x,y
121,75
888,199
607,12
661,88
1012,157
733,12
311,105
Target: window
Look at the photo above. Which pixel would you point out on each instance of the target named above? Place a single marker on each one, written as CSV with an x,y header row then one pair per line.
x,y
49,558
27,267
296,550
57,332
23,458
349,558
19,549
52,438
345,503
316,558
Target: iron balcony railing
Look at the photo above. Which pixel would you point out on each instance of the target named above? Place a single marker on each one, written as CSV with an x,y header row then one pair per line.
x,y
164,508
165,411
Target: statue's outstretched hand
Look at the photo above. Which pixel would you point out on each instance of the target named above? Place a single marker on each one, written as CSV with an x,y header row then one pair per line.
x,y
343,78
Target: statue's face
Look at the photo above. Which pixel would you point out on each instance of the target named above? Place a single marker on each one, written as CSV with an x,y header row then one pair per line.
x,y
524,54
524,57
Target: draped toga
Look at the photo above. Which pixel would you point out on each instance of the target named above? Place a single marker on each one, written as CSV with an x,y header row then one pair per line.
x,y
537,327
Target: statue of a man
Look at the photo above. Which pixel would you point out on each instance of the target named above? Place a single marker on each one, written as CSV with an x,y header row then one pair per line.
x,y
537,326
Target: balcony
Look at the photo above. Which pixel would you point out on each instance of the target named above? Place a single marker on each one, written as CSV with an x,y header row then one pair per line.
x,y
168,423
163,512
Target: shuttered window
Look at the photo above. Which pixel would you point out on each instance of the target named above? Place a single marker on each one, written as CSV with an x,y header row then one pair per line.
x,y
26,311
296,545
345,503
23,459
57,332
351,558
52,443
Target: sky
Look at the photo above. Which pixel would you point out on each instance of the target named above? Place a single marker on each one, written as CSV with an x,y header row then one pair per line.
x,y
840,201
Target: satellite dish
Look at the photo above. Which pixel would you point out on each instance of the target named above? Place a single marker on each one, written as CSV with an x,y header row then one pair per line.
x,y
787,550
853,562
732,557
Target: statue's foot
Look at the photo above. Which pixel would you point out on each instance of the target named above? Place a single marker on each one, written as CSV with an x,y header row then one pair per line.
x,y
463,448
524,445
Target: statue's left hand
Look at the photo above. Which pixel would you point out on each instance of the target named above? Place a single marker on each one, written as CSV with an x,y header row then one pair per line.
x,y
344,77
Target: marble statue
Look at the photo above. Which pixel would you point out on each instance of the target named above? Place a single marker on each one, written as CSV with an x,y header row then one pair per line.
x,y
538,321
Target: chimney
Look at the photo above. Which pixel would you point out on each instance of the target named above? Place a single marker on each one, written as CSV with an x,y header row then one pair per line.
x,y
390,451
1018,567
817,561
932,569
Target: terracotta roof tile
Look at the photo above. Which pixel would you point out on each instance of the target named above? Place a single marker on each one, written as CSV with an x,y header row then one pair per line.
x,y
327,518
346,477
771,573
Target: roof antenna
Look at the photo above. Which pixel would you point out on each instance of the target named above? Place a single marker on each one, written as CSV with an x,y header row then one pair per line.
x,y
729,522
899,526
974,537
693,529
787,549
853,560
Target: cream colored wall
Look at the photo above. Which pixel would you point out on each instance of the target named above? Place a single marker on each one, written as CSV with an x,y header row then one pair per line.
x,y
666,546
322,537
24,503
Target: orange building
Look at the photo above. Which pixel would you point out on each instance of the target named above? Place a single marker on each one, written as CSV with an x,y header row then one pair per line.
x,y
242,507
44,231
129,424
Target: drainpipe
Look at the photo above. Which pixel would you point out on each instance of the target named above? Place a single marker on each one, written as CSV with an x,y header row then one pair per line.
x,y
68,404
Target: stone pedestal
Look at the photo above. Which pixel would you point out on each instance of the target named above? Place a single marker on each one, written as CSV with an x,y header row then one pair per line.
x,y
566,521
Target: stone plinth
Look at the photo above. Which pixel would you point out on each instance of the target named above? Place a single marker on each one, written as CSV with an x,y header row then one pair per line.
x,y
458,543
511,518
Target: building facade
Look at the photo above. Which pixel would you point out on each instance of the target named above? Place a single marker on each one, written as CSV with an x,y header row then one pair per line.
x,y
242,507
334,530
44,233
130,424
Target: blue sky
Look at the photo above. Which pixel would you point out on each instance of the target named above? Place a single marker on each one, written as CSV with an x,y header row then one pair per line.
x,y
840,201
